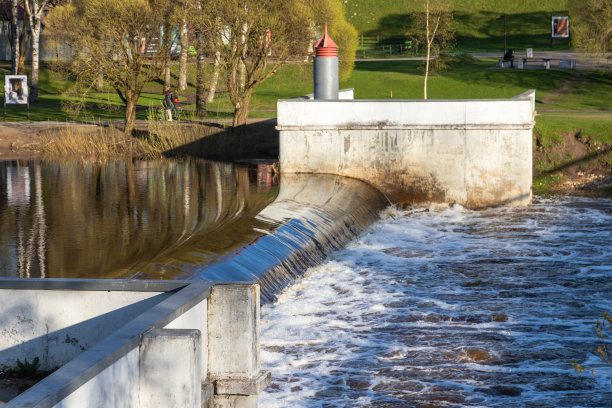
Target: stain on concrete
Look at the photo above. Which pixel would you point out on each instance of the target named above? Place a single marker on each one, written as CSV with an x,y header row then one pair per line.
x,y
71,340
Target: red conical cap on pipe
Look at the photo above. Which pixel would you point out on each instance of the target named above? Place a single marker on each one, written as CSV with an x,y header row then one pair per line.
x,y
326,47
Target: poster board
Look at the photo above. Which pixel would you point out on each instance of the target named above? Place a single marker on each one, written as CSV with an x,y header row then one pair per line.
x,y
560,27
16,90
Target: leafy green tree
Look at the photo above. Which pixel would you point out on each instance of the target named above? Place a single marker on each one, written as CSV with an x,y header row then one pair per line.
x,y
331,12
591,24
128,41
255,38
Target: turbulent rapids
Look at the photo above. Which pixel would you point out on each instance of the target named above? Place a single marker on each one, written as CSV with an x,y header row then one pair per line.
x,y
450,307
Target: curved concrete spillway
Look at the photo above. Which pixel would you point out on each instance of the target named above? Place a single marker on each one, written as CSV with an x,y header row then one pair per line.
x,y
312,216
175,220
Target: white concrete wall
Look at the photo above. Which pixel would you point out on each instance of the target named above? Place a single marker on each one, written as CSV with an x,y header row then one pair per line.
x,y
195,318
157,353
58,325
343,94
116,386
472,152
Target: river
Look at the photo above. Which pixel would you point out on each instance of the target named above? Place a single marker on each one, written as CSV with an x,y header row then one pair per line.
x,y
432,306
448,307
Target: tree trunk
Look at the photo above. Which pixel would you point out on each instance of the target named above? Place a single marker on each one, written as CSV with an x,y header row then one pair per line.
x,y
35,60
24,48
200,88
241,111
167,76
182,82
130,112
214,78
241,64
100,81
15,39
426,74
428,48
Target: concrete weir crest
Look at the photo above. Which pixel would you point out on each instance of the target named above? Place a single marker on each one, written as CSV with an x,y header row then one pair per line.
x,y
475,153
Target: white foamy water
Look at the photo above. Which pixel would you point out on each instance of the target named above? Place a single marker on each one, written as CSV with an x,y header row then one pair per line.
x,y
449,307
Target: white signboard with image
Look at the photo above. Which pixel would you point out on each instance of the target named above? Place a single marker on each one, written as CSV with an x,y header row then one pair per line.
x,y
16,89
560,27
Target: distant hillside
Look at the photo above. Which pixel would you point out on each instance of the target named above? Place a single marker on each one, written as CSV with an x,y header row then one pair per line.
x,y
476,24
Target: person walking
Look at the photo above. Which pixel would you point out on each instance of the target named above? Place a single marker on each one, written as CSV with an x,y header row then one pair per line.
x,y
168,103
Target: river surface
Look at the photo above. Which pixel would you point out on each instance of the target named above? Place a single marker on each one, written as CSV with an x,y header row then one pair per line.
x,y
447,307
142,219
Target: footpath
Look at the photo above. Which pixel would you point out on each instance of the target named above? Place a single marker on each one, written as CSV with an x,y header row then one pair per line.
x,y
585,61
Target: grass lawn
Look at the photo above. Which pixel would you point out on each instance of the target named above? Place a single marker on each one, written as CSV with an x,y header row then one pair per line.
x,y
472,78
476,22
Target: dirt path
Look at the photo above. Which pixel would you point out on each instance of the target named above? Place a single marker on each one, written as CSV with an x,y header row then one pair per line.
x,y
567,86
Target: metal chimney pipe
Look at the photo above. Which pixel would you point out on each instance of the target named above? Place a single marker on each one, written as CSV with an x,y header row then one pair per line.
x,y
326,68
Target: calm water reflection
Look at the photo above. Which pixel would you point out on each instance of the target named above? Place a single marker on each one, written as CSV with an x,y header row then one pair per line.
x,y
127,219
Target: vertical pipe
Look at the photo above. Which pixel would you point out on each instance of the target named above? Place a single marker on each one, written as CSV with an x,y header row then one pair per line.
x,y
325,73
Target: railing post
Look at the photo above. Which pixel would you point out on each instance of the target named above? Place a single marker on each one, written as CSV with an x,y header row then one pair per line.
x,y
171,369
233,345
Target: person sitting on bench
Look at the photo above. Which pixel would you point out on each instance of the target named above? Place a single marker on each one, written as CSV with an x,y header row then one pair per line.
x,y
509,56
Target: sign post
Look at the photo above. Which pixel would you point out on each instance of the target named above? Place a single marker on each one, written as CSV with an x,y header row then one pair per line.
x,y
16,92
560,28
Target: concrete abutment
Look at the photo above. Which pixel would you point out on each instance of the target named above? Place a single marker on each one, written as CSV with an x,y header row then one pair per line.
x,y
476,153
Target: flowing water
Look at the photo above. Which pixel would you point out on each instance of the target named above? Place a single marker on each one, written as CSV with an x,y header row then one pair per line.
x,y
448,307
175,220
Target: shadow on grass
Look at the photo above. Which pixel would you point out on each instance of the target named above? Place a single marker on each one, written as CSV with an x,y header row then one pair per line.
x,y
576,162
484,30
257,140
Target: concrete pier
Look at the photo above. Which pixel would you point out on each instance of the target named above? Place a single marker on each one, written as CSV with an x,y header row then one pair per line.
x,y
476,153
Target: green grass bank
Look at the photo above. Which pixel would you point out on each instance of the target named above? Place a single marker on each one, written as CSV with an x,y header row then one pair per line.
x,y
476,22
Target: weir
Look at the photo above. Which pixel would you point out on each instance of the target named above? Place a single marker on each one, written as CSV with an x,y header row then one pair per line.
x,y
140,333
312,216
195,342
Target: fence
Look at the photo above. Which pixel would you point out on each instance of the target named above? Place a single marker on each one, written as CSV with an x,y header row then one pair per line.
x,y
382,46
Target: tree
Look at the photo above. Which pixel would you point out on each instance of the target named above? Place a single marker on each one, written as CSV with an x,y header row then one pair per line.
x,y
204,26
19,39
184,38
255,38
331,12
13,37
127,40
34,10
431,30
591,25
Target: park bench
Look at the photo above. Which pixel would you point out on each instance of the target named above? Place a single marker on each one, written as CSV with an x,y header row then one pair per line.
x,y
522,61
529,58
